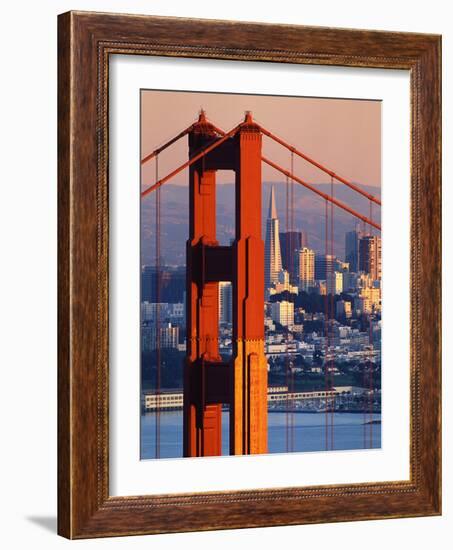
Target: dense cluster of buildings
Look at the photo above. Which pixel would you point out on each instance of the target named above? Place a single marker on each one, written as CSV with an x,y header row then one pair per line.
x,y
295,274
347,331
163,309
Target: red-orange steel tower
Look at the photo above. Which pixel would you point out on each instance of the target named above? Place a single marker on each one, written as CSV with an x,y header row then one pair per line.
x,y
208,381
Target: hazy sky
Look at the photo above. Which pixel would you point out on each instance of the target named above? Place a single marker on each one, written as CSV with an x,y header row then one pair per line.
x,y
342,134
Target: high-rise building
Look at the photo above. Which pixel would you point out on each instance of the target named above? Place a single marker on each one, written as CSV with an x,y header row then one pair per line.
x,y
283,313
164,285
151,311
148,283
351,249
290,243
168,337
272,252
324,263
349,281
370,260
225,302
373,295
306,268
334,282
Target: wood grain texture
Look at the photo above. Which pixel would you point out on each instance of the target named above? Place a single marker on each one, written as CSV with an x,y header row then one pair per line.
x,y
64,308
85,42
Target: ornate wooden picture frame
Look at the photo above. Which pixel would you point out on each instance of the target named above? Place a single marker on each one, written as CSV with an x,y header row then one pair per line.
x,y
85,42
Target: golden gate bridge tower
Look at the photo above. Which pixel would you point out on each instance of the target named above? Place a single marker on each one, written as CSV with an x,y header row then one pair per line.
x,y
209,382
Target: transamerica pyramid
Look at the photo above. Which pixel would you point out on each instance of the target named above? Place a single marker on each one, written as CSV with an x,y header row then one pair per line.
x,y
272,253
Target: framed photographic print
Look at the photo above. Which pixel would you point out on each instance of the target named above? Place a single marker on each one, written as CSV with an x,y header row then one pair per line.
x,y
249,275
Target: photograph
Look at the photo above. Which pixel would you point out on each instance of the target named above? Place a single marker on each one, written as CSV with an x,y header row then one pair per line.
x,y
261,304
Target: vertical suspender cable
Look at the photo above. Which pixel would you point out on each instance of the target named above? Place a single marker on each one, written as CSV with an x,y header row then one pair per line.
x,y
287,366
157,313
326,324
333,285
368,356
291,270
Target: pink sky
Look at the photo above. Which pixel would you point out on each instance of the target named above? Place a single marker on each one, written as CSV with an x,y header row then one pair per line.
x,y
342,134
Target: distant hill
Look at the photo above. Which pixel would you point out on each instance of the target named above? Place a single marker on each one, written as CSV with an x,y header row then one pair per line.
x,y
309,215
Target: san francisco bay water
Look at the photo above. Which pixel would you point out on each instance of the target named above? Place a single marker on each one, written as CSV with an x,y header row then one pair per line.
x,y
351,430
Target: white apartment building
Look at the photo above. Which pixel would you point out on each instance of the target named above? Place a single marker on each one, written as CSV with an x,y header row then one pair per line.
x,y
283,313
